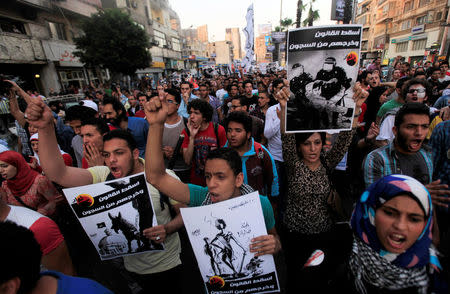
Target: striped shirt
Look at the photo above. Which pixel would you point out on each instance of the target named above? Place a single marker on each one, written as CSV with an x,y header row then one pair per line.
x,y
384,161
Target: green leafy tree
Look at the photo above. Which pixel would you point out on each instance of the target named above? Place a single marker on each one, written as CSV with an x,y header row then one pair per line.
x,y
313,15
112,40
284,24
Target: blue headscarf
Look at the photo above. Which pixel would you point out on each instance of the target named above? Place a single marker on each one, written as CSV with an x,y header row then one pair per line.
x,y
363,220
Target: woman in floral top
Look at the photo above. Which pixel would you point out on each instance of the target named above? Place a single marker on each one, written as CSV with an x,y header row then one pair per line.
x,y
307,223
23,186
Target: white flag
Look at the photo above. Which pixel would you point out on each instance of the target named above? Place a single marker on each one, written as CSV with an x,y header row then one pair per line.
x,y
249,43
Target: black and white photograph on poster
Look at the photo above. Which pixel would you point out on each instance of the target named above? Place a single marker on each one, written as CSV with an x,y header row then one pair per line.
x,y
220,235
114,214
322,67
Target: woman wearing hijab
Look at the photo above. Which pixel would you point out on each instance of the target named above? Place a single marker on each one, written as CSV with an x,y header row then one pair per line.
x,y
392,251
25,187
36,164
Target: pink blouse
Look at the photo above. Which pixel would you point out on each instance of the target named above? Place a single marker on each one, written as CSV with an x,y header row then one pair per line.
x,y
42,196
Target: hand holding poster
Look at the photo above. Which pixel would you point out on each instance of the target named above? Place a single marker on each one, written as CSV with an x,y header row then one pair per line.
x,y
220,236
322,70
114,214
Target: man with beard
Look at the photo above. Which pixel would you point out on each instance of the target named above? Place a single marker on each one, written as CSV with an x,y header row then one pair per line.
x,y
407,155
116,115
258,165
121,159
252,100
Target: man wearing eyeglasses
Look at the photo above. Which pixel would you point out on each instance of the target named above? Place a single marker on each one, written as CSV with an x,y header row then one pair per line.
x,y
173,127
187,96
414,91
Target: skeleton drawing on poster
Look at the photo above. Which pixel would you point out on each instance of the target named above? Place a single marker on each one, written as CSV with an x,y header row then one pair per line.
x,y
220,235
114,215
322,69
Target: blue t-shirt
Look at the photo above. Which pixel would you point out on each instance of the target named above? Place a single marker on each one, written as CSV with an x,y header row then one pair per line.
x,y
76,285
138,127
198,195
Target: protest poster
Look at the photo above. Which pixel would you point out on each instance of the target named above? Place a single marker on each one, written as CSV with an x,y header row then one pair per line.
x,y
220,236
322,64
114,213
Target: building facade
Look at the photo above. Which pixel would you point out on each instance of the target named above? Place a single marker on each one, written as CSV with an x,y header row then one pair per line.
x,y
162,24
36,41
410,28
234,36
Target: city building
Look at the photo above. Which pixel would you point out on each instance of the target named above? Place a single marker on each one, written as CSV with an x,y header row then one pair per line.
x,y
202,33
162,24
221,52
36,41
234,36
194,51
410,28
417,30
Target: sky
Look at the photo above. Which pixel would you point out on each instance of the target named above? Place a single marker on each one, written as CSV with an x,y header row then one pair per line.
x,y
221,14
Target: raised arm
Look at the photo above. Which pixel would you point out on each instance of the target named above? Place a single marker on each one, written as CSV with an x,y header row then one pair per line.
x,y
156,114
40,116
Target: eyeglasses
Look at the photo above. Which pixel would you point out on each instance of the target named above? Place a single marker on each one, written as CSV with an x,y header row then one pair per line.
x,y
419,90
171,102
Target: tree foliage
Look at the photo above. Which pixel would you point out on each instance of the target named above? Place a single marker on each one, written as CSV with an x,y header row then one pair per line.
x,y
112,40
312,15
284,24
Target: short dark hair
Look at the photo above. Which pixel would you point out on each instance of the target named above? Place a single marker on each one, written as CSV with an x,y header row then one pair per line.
x,y
99,124
401,81
247,82
21,256
121,134
240,117
420,73
117,106
186,83
406,63
141,94
204,107
416,81
435,69
79,112
443,62
276,82
410,108
242,100
230,156
175,93
300,138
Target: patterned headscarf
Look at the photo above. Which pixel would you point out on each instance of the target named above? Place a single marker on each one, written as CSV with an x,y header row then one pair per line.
x,y
369,261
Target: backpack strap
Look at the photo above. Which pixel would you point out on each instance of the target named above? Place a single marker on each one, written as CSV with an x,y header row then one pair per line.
x,y
216,132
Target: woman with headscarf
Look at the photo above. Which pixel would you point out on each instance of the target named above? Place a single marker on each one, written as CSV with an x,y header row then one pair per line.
x,y
392,250
25,187
36,163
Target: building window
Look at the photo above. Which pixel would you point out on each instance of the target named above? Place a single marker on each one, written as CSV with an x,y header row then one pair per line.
x,y
439,15
419,44
408,6
176,44
160,37
402,47
57,31
11,26
421,19
406,24
423,2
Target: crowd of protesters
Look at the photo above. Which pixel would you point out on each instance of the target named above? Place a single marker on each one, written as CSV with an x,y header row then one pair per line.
x,y
208,139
